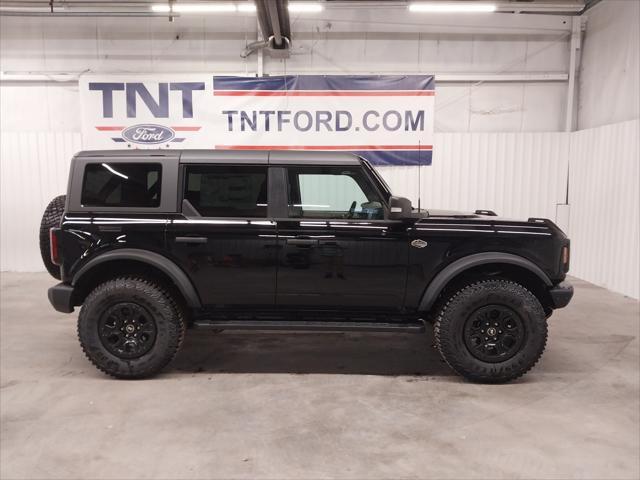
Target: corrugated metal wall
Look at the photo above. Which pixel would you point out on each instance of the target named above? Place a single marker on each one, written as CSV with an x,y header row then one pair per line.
x,y
514,174
34,169
605,212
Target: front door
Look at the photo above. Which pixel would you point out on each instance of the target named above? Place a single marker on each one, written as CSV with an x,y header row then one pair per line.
x,y
336,249
224,241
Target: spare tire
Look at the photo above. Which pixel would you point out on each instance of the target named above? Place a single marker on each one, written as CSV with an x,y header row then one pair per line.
x,y
51,218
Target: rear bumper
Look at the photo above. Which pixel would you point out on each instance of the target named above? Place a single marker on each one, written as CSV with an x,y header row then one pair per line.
x,y
561,294
61,297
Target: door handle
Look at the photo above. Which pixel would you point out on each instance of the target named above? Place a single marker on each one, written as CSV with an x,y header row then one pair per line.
x,y
302,242
191,239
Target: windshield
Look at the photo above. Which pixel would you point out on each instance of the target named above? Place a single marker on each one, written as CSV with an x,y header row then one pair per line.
x,y
385,188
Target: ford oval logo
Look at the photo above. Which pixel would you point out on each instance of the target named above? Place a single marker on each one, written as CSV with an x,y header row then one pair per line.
x,y
148,133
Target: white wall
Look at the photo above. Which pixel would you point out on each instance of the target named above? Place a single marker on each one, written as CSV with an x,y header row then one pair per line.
x,y
34,169
605,206
518,175
604,176
349,41
610,70
493,148
515,174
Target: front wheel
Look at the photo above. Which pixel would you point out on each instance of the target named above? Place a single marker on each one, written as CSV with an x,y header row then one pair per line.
x,y
491,331
130,327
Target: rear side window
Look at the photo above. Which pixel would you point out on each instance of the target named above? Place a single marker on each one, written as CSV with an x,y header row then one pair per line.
x,y
227,191
122,185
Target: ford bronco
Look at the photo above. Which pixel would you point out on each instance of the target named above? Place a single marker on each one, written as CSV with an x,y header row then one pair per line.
x,y
152,242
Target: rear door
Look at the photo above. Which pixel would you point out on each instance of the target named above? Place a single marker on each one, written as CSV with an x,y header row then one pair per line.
x,y
337,249
224,239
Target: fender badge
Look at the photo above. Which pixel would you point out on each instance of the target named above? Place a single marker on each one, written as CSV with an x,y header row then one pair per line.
x,y
419,243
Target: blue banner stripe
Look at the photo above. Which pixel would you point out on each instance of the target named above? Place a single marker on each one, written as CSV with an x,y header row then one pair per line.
x,y
326,82
397,157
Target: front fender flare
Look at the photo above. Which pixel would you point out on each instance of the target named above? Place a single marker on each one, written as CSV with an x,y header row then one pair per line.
x,y
165,265
455,268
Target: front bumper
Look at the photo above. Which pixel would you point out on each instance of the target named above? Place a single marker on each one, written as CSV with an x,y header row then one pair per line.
x,y
61,297
561,294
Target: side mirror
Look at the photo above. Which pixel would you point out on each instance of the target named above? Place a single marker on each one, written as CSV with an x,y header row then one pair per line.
x,y
399,208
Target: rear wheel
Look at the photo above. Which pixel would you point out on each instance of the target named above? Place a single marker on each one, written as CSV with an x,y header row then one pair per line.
x,y
130,327
50,218
491,331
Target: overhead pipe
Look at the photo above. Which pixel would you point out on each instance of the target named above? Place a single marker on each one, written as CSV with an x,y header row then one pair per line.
x,y
72,77
263,19
141,8
273,18
254,47
275,23
21,13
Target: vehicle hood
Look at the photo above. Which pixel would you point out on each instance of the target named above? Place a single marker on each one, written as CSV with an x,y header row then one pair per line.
x,y
447,214
484,220
439,215
435,214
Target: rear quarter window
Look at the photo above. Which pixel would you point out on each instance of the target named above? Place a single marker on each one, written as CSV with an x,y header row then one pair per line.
x,y
122,185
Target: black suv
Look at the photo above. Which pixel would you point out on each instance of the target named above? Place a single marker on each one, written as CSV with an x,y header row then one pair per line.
x,y
152,242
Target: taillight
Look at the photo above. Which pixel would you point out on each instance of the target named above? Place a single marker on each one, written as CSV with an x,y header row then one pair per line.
x,y
565,257
53,246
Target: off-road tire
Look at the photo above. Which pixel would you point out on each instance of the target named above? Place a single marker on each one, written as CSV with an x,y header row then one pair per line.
x,y
158,302
449,330
50,218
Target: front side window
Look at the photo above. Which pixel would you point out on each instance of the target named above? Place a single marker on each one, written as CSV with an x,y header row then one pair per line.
x,y
227,191
332,192
122,185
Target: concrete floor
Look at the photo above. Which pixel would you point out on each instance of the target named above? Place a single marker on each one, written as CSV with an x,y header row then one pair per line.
x,y
268,405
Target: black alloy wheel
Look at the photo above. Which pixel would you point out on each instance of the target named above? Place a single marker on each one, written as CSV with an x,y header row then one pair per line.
x,y
494,333
131,327
127,330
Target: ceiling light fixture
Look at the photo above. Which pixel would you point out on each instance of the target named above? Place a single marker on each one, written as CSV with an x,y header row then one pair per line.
x,y
305,7
246,7
160,8
204,8
460,7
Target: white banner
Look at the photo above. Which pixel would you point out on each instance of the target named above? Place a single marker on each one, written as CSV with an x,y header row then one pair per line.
x,y
387,119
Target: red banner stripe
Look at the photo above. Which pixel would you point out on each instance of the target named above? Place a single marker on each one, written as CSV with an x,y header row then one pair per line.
x,y
177,129
324,147
324,93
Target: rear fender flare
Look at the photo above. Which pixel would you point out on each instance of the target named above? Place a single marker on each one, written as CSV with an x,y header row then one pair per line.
x,y
459,266
165,265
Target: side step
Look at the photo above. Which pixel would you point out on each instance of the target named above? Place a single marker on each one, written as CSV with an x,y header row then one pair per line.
x,y
400,327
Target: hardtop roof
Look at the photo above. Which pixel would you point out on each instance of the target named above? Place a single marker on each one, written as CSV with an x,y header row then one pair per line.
x,y
272,157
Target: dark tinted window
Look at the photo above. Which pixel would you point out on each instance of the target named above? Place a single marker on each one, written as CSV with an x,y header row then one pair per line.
x,y
227,191
121,185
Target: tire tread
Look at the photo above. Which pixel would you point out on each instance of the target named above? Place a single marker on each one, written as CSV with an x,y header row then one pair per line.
x,y
51,218
154,290
443,335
